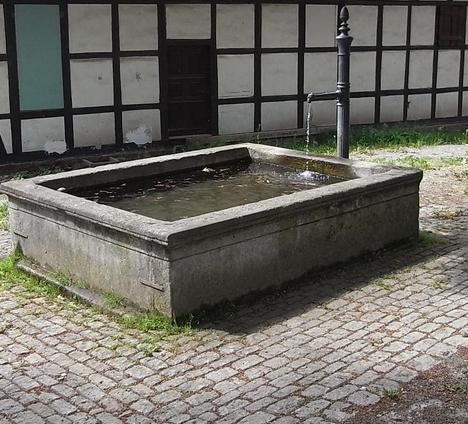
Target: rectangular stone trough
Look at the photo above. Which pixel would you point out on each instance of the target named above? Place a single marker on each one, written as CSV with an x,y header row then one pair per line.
x,y
181,266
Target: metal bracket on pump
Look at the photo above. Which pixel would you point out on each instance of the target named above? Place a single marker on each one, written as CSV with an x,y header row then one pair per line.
x,y
341,94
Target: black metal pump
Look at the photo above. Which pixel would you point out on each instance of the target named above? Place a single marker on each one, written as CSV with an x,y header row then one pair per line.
x,y
341,94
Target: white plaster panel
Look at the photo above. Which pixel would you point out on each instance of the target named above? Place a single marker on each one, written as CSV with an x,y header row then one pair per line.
x,y
320,25
138,26
94,130
141,126
2,31
90,28
363,23
319,72
323,114
393,70
188,21
391,108
235,119
465,104
140,80
362,71
420,69
279,115
5,133
422,25
362,110
448,68
279,25
446,105
279,74
235,76
465,70
92,82
235,25
4,87
46,134
394,25
419,107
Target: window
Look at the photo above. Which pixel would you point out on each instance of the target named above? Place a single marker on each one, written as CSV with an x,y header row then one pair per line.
x,y
39,54
450,26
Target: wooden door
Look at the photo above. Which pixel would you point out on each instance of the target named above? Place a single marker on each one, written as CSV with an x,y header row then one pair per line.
x,y
189,108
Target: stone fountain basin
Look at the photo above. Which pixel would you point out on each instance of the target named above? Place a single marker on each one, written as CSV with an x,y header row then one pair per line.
x,y
182,266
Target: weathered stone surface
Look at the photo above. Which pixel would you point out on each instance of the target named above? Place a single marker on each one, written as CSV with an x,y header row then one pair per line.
x,y
176,267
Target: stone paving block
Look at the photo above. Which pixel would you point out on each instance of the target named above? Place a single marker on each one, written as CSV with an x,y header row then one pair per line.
x,y
363,398
257,418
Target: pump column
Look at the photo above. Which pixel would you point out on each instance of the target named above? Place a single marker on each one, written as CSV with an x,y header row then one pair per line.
x,y
343,86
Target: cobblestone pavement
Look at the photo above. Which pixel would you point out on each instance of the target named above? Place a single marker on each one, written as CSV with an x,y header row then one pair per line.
x,y
305,355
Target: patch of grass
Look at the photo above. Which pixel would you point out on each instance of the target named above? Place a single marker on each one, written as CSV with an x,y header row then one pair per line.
x,y
426,163
393,394
4,224
113,300
382,283
11,276
437,284
449,213
365,140
428,239
457,387
156,322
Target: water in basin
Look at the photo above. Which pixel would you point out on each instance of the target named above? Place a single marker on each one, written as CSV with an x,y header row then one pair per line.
x,y
197,192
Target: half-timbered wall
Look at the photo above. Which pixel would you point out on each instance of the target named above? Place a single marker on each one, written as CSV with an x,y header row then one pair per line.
x,y
265,58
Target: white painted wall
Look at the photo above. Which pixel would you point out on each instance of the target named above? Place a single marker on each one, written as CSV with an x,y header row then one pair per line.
x,y
279,115
138,25
46,134
2,31
235,76
323,114
279,74
188,21
235,119
362,71
422,25
5,133
362,110
90,28
419,106
391,108
395,19
320,25
4,87
94,130
448,70
140,80
235,25
363,23
319,72
141,126
446,105
279,25
393,70
420,69
92,82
